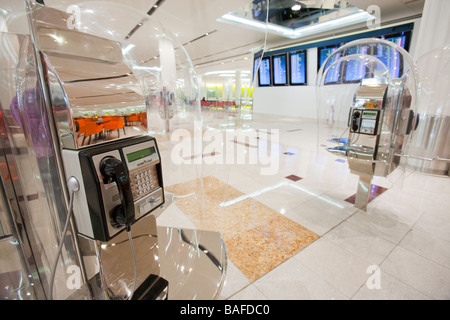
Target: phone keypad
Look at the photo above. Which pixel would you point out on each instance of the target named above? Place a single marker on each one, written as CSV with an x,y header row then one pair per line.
x,y
144,181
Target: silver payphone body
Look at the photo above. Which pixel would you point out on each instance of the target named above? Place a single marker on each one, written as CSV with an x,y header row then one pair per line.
x,y
379,122
120,183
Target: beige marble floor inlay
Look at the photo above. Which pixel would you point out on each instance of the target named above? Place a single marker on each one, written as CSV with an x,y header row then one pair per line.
x,y
257,238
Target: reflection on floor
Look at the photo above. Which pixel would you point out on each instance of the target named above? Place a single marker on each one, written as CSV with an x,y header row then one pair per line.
x,y
325,247
375,191
256,237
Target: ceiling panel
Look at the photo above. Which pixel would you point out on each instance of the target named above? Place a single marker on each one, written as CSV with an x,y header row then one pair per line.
x,y
191,19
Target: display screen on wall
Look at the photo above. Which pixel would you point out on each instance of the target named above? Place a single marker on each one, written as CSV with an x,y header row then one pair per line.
x,y
402,39
265,72
391,57
334,73
355,69
257,61
324,53
298,68
280,75
275,69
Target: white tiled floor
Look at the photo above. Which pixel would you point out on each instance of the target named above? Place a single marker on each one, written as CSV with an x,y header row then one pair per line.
x,y
405,231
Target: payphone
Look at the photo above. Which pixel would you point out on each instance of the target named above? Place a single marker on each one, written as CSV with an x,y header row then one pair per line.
x,y
365,121
121,182
378,122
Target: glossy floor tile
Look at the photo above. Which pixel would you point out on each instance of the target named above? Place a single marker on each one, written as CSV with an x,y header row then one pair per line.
x,y
291,234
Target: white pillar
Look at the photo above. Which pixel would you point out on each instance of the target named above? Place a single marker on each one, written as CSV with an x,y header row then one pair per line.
x,y
168,64
238,89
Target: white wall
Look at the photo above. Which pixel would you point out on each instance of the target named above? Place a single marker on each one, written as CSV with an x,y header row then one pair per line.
x,y
292,101
288,101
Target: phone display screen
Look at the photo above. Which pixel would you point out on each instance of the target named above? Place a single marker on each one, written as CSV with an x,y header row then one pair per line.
x,y
140,154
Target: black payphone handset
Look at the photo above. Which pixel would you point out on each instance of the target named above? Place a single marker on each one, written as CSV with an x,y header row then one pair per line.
x,y
120,182
355,121
113,170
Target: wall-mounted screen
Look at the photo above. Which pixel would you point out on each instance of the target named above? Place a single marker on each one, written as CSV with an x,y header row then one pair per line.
x,y
265,72
256,63
324,53
298,68
355,69
280,73
391,57
402,39
334,73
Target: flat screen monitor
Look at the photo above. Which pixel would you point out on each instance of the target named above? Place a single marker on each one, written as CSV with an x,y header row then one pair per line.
x,y
324,53
264,72
391,57
279,67
298,68
355,69
333,75
256,63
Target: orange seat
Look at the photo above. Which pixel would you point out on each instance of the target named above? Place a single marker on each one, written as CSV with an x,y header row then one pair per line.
x,y
116,123
91,128
132,118
143,118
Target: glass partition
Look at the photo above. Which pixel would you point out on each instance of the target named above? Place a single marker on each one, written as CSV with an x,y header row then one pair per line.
x,y
83,75
429,151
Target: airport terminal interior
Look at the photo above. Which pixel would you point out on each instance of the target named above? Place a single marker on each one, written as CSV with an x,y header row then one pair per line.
x,y
230,150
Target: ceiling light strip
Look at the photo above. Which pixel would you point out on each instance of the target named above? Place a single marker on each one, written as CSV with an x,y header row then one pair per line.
x,y
223,59
355,18
198,38
149,12
155,7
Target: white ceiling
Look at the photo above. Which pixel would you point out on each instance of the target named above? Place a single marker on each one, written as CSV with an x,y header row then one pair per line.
x,y
231,47
193,18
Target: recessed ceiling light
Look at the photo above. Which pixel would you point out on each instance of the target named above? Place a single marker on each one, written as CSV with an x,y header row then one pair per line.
x,y
296,7
355,17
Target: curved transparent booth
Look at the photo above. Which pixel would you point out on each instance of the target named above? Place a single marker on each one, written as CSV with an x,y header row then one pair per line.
x,y
88,104
367,105
429,151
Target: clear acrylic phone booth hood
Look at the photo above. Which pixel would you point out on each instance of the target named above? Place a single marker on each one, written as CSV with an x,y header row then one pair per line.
x,y
93,81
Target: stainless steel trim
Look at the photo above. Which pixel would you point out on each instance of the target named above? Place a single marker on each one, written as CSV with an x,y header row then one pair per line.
x,y
59,170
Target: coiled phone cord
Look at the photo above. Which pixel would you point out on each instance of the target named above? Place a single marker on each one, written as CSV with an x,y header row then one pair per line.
x,y
74,186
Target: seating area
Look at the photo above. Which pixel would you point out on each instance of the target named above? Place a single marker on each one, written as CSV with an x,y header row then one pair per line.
x,y
217,104
93,129
133,119
113,124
